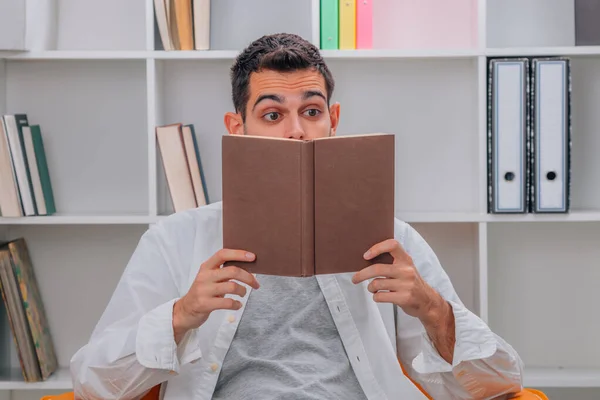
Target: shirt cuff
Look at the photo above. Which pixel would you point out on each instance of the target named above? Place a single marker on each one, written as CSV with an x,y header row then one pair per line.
x,y
155,341
473,341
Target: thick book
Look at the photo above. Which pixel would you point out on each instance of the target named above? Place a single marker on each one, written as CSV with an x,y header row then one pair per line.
x,y
31,329
175,163
308,207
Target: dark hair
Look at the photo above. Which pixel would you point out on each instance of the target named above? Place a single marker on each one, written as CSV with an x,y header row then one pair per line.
x,y
282,52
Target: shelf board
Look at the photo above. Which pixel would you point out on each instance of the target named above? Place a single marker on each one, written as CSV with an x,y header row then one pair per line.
x,y
13,380
410,217
327,54
76,55
439,217
400,53
79,220
543,51
573,216
228,54
561,377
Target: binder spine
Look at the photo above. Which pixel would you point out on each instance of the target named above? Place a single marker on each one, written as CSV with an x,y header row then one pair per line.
x,y
494,176
307,169
536,173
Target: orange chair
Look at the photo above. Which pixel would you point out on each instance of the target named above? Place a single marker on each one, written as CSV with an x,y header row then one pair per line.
x,y
527,394
153,394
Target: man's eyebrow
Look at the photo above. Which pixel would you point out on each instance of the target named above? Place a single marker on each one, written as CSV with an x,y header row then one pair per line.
x,y
274,97
310,93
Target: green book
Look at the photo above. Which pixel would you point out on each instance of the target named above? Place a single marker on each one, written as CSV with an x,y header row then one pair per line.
x,y
42,165
329,24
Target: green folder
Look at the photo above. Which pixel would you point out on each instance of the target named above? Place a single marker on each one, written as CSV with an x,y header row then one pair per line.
x,y
330,24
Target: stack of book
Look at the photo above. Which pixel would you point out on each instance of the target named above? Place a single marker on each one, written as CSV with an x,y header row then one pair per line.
x,y
183,24
26,313
529,135
180,155
25,186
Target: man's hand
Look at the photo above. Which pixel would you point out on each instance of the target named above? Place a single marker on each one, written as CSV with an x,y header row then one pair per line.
x,y
208,291
400,283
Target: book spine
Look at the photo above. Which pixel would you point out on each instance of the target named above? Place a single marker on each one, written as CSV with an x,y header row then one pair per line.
x,y
307,187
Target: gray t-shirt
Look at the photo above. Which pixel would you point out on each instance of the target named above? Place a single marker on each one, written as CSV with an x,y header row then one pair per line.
x,y
287,347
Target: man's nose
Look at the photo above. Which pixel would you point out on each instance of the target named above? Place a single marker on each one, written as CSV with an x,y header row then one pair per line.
x,y
294,129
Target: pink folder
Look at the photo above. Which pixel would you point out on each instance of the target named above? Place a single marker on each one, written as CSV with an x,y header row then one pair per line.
x,y
364,24
424,24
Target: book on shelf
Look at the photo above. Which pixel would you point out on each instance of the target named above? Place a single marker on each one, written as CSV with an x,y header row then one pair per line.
x,y
25,184
183,24
180,154
529,135
25,312
307,207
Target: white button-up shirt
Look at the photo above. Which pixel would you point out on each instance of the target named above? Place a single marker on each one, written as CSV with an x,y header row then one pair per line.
x,y
132,348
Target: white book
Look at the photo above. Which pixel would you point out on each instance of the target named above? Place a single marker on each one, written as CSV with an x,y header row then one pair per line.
x,y
16,151
177,172
202,24
10,201
36,182
162,20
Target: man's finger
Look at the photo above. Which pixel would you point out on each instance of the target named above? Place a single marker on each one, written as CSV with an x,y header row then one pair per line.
x,y
226,303
223,255
230,287
232,272
378,284
391,246
374,271
384,297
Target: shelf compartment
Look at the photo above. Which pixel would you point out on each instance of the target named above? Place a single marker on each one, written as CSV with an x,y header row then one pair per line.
x,y
92,117
542,283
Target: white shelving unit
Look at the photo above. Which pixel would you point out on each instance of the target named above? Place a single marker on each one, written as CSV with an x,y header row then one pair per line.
x,y
101,92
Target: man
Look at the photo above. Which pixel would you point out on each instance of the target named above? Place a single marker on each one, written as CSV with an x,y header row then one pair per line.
x,y
210,332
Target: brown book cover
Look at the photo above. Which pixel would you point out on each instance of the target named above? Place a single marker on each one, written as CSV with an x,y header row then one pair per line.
x,y
307,207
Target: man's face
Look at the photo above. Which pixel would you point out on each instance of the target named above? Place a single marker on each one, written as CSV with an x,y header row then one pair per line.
x,y
286,105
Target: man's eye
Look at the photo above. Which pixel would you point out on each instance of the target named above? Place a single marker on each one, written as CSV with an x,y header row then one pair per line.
x,y
313,112
272,116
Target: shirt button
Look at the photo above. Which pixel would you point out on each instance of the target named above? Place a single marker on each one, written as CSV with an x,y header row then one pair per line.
x,y
231,318
214,367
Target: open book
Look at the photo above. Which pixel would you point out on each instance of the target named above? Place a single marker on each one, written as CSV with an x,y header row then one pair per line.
x,y
307,207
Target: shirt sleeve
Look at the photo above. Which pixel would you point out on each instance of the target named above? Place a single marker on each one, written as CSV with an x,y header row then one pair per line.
x,y
132,348
484,366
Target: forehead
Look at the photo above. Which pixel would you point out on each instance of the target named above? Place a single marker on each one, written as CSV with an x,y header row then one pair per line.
x,y
268,81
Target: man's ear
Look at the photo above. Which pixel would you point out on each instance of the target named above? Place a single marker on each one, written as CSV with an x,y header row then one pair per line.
x,y
233,123
334,115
